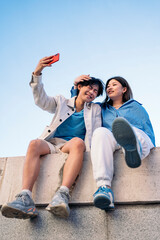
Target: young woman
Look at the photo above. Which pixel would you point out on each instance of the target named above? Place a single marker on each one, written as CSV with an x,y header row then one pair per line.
x,y
125,123
70,131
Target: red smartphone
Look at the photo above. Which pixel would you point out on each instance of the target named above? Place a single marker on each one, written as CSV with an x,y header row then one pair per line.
x,y
55,58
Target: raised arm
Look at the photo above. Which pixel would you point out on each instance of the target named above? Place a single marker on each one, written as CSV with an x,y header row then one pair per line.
x,y
40,97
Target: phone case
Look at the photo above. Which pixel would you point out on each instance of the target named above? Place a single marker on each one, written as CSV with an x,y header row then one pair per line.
x,y
55,58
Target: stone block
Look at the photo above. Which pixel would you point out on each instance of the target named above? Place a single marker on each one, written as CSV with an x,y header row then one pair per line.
x,y
140,185
133,222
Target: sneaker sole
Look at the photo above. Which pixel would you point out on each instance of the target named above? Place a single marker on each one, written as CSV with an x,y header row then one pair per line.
x,y
125,137
10,212
59,210
110,208
102,202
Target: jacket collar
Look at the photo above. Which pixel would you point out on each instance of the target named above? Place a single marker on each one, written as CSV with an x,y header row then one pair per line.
x,y
126,103
71,103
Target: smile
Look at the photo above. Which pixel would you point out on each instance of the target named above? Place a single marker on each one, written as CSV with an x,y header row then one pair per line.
x,y
89,96
110,92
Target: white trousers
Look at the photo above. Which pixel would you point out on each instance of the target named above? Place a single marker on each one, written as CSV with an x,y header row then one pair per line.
x,y
102,149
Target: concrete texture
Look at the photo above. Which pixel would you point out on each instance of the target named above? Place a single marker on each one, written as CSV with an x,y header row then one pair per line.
x,y
136,222
133,222
139,185
139,222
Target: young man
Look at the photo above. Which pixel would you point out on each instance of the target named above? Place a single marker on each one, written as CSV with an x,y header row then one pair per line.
x,y
70,131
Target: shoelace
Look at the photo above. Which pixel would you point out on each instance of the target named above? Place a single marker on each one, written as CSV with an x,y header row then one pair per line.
x,y
107,190
21,197
102,188
64,195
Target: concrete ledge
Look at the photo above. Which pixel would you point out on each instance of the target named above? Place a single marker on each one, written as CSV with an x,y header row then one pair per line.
x,y
140,222
139,185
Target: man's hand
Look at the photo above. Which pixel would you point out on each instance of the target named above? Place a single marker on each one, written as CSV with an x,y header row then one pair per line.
x,y
81,79
44,62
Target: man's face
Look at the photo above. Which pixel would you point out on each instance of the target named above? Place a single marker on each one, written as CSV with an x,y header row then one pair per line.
x,y
88,93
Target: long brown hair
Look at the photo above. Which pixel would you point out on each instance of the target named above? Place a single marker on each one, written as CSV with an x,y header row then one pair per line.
x,y
126,96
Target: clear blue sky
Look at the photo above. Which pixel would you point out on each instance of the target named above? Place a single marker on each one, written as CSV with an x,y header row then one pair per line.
x,y
103,38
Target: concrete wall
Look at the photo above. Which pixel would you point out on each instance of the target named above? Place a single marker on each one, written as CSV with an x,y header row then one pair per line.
x,y
127,222
137,197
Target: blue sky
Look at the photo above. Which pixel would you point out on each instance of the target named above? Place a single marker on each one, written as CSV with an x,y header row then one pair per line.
x,y
102,38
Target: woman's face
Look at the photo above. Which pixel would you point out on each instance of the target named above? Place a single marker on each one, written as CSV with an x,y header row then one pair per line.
x,y
115,90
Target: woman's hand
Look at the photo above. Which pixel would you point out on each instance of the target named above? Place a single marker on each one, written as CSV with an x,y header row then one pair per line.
x,y
44,62
81,79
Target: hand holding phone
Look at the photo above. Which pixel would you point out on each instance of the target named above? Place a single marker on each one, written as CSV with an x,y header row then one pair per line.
x,y
45,62
55,58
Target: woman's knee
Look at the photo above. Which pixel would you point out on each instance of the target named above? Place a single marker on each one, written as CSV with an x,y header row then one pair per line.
x,y
102,132
103,137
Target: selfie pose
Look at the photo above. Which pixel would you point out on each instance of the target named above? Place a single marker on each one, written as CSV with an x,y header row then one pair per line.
x,y
125,123
70,131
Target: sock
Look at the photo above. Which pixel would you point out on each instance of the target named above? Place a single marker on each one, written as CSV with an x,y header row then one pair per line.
x,y
64,189
28,192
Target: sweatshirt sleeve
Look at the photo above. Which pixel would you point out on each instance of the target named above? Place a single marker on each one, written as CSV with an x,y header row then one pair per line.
x,y
73,92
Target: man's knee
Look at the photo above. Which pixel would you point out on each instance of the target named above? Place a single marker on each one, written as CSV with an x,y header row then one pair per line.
x,y
34,146
78,143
